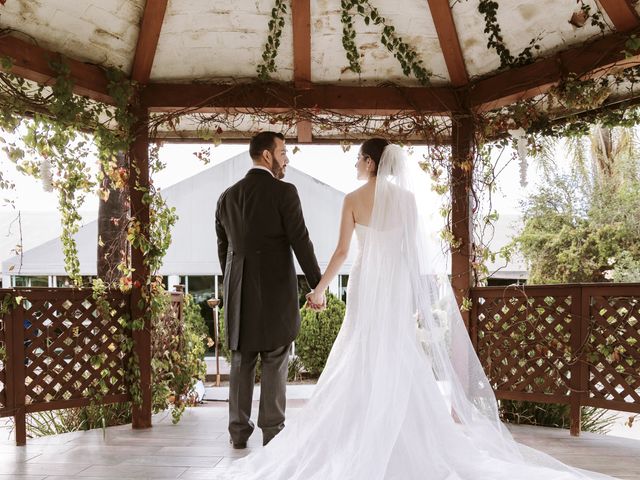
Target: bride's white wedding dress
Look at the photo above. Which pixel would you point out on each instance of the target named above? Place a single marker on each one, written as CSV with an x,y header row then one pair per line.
x,y
403,395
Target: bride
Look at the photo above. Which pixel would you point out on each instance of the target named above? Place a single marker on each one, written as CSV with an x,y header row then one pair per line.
x,y
403,395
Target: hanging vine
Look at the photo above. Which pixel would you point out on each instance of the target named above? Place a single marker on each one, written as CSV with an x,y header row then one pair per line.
x,y
276,23
406,55
489,8
52,132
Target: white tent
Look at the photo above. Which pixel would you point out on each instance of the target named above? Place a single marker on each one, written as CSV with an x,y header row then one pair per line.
x,y
193,249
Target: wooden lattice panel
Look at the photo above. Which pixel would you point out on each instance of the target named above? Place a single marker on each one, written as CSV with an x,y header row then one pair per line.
x,y
522,342
71,350
613,353
167,334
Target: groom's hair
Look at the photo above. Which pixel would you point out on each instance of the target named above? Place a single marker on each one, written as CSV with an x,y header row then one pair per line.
x,y
261,142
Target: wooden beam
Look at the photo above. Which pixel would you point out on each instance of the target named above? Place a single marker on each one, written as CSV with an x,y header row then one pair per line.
x,y
304,130
449,42
343,99
33,63
301,15
621,13
150,27
607,53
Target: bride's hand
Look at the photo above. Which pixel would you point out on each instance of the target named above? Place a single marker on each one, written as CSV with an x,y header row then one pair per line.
x,y
316,300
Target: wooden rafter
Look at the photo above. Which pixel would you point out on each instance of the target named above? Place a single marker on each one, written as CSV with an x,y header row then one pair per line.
x,y
605,54
449,42
33,63
301,15
150,27
622,14
278,97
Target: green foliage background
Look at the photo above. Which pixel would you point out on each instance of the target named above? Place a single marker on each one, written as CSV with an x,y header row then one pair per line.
x,y
318,331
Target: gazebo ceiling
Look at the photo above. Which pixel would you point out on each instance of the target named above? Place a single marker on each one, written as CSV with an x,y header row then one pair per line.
x,y
216,45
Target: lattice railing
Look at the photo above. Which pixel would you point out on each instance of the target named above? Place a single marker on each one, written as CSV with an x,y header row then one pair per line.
x,y
576,344
61,351
521,342
60,348
71,352
613,346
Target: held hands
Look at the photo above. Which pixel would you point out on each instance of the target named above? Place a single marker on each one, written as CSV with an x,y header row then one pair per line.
x,y
316,300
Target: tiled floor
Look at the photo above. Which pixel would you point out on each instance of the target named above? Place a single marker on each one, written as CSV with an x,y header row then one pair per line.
x,y
197,448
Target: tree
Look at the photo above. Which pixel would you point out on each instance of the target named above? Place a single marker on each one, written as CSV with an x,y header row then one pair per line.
x,y
112,217
584,226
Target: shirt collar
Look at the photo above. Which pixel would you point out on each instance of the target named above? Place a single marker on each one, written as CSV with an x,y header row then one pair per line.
x,y
260,167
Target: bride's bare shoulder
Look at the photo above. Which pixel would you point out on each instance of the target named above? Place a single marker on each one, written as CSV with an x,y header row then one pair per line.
x,y
358,192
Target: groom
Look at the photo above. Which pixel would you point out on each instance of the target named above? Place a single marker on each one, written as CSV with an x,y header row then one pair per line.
x,y
258,222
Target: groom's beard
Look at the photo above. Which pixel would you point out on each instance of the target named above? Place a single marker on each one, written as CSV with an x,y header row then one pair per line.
x,y
277,171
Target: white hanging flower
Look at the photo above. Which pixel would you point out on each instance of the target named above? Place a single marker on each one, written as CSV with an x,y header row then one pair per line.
x,y
45,175
521,141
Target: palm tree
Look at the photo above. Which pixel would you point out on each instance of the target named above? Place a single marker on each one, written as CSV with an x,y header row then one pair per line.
x,y
606,155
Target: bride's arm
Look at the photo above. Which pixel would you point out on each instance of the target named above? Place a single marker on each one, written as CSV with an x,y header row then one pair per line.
x,y
347,225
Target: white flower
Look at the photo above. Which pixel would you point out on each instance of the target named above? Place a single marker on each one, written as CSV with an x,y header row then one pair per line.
x,y
521,138
45,175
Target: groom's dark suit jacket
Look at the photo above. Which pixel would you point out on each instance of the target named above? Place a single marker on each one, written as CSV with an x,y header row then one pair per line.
x,y
258,222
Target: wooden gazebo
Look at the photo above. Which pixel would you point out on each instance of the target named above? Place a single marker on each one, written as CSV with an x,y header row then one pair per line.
x,y
293,65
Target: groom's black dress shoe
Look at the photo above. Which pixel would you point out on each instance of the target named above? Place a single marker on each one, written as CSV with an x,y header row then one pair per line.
x,y
238,445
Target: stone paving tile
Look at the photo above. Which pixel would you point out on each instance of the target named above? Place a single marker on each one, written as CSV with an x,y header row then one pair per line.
x,y
56,477
132,471
222,449
197,448
13,476
101,448
200,474
67,469
174,461
23,477
17,456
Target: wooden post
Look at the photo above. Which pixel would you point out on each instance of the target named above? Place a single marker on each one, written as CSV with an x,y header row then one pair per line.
x,y
138,186
579,382
15,388
462,139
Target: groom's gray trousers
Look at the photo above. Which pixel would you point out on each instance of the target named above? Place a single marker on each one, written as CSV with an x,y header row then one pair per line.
x,y
272,393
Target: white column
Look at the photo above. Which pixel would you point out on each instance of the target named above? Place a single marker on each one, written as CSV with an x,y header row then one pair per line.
x,y
172,281
334,286
6,281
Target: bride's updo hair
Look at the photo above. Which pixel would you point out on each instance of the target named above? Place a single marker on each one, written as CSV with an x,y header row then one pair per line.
x,y
373,149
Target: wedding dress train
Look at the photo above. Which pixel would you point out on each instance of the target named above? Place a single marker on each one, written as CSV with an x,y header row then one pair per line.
x,y
402,396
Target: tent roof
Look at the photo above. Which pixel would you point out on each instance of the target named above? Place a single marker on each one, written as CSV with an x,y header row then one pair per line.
x,y
193,247
167,44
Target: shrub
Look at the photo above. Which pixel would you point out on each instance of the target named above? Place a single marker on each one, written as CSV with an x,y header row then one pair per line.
x,y
178,360
55,422
317,334
295,365
554,415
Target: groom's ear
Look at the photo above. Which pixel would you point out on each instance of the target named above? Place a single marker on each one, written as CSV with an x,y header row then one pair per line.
x,y
266,156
